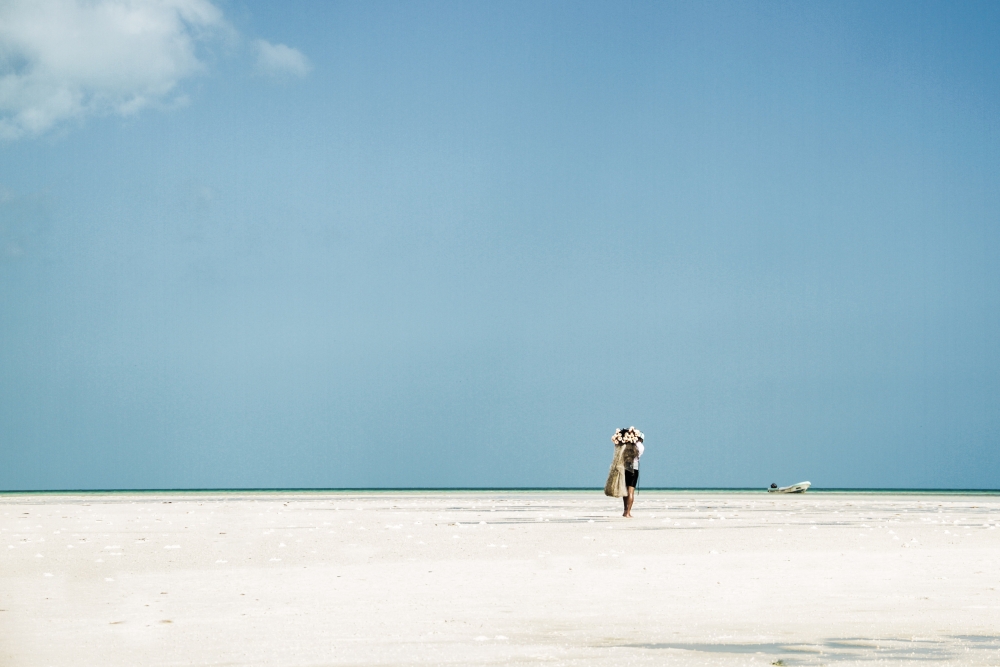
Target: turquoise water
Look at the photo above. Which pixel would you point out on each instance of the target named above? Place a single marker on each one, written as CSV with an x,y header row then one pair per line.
x,y
812,491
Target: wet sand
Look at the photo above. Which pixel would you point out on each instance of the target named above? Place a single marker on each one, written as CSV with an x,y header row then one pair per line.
x,y
490,578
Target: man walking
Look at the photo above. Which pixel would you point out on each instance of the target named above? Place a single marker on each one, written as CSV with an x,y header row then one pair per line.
x,y
633,451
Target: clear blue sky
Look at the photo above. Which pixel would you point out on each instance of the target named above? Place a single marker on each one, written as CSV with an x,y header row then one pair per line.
x,y
322,244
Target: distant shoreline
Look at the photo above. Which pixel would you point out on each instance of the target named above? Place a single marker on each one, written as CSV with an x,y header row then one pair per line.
x,y
813,491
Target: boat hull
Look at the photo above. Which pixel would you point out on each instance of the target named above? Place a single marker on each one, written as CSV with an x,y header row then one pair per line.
x,y
801,487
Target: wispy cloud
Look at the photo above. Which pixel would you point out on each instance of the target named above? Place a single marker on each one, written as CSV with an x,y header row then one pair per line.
x,y
22,223
280,60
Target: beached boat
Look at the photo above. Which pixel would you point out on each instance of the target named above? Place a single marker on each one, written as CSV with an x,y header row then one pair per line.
x,y
794,488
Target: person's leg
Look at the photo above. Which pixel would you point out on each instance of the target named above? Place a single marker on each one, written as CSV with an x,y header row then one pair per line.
x,y
629,499
630,477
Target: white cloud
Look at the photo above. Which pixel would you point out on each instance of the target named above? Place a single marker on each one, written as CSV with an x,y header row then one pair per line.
x,y
67,59
280,60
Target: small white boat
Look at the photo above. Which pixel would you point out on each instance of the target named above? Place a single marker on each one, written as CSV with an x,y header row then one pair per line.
x,y
794,488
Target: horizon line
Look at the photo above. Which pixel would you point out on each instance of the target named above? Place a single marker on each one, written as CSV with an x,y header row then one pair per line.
x,y
484,489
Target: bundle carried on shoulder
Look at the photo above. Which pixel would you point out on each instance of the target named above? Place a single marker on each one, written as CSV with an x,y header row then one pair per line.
x,y
615,486
623,437
627,436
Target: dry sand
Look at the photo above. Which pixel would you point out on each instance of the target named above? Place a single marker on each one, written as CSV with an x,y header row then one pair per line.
x,y
476,578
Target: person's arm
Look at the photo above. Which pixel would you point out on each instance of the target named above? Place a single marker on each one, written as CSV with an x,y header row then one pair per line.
x,y
639,446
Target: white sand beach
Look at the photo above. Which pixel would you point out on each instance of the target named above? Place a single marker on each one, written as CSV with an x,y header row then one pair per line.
x,y
490,578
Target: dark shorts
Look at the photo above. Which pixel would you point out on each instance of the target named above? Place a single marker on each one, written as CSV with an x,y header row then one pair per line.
x,y
632,478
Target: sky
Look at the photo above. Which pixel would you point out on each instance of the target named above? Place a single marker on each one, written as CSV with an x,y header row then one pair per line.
x,y
452,244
